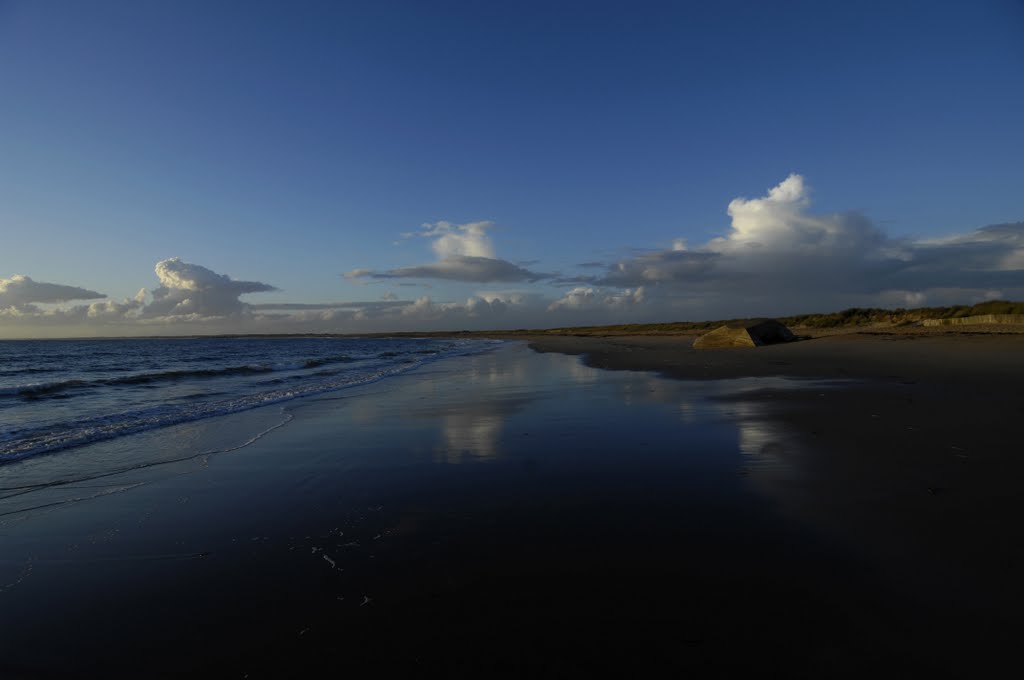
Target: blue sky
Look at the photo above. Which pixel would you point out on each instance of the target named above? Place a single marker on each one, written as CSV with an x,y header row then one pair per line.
x,y
284,145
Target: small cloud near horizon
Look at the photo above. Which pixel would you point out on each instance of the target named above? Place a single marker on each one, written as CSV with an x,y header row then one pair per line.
x,y
22,293
465,253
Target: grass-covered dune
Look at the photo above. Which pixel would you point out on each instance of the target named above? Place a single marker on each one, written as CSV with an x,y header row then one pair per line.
x,y
852,318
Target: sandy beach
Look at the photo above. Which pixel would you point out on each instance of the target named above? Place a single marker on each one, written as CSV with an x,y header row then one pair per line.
x,y
833,507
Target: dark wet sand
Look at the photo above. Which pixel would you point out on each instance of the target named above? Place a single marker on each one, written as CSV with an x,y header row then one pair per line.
x,y
917,466
521,514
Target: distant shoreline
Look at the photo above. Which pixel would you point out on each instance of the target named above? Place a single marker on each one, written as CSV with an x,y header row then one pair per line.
x,y
632,330
995,316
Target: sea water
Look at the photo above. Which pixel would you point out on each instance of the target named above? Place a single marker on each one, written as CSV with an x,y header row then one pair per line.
x,y
57,395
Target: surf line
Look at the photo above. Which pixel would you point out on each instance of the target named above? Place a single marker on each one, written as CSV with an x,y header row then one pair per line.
x,y
29,488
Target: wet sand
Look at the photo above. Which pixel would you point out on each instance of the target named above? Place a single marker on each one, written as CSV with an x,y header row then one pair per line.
x,y
522,513
914,463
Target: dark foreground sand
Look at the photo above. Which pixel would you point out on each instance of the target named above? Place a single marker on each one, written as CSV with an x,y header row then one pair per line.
x,y
521,514
917,463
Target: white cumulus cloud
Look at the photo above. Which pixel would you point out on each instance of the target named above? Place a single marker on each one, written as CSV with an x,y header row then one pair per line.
x,y
425,309
465,253
191,290
590,299
456,240
779,255
22,293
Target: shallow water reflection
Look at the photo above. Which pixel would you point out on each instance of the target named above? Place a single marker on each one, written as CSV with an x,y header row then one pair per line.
x,y
514,404
469,435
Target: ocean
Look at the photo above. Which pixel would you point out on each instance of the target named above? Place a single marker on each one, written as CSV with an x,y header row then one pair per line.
x,y
57,395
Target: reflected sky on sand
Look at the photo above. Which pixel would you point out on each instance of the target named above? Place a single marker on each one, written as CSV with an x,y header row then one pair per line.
x,y
498,401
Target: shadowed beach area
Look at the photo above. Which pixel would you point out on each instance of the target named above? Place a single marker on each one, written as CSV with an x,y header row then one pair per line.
x,y
832,507
913,463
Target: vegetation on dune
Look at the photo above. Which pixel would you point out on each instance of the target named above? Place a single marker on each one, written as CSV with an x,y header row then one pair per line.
x,y
848,318
857,316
